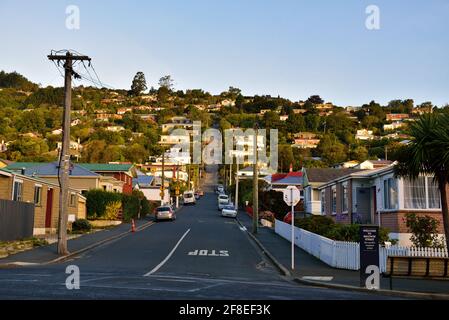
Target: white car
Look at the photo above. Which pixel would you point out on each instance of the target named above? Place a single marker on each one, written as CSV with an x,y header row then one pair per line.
x,y
229,211
189,198
223,200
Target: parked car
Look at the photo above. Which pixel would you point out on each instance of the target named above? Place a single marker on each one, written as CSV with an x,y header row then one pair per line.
x,y
197,195
189,197
223,200
229,211
165,213
201,192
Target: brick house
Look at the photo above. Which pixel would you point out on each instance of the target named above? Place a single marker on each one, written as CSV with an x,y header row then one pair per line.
x,y
378,197
45,197
313,179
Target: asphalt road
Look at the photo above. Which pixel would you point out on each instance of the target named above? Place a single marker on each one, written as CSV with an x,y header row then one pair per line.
x,y
199,256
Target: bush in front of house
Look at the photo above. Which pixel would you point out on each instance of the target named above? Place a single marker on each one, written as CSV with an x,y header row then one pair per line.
x,y
101,204
326,227
135,204
424,231
321,225
81,226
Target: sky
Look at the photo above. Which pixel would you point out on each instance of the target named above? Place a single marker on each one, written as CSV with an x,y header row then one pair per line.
x,y
291,48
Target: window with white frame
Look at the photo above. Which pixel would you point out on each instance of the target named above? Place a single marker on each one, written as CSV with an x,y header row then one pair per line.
x,y
390,194
433,194
421,193
37,195
323,202
334,199
72,199
18,191
344,197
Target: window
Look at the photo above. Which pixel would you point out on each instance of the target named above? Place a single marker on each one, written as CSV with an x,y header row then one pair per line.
x,y
390,194
344,197
37,195
421,193
73,200
433,194
323,202
18,191
334,199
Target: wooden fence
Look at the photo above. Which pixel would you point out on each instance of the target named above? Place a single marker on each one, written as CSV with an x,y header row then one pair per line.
x,y
16,220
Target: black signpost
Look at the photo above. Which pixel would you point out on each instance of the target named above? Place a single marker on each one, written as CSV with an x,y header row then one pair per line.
x,y
369,253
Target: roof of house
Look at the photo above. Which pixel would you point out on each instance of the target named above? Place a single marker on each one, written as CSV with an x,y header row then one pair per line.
x,y
292,178
327,174
360,174
43,181
51,169
24,165
106,167
7,162
143,181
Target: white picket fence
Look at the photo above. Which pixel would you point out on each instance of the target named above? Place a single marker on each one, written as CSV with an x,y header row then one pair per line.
x,y
346,255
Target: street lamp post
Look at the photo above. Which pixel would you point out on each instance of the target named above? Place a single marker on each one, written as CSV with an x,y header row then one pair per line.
x,y
255,185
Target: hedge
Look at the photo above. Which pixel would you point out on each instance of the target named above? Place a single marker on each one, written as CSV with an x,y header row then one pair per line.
x,y
98,201
106,205
326,227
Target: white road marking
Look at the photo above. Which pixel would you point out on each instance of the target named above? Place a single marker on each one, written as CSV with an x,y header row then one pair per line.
x,y
243,228
318,278
168,257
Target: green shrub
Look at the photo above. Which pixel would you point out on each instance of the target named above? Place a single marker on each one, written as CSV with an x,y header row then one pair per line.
x,y
326,227
81,225
317,224
98,201
134,204
424,231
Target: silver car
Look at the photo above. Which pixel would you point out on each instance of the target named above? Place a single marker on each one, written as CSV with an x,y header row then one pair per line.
x,y
223,200
165,213
229,211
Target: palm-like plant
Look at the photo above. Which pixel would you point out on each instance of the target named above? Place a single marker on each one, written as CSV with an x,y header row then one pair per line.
x,y
428,153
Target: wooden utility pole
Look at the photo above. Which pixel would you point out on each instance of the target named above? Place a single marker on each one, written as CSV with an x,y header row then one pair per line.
x,y
64,159
255,185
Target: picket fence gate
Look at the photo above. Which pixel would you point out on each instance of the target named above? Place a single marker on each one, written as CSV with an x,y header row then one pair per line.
x,y
346,255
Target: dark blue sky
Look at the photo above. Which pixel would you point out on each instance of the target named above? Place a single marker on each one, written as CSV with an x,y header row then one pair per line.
x,y
288,47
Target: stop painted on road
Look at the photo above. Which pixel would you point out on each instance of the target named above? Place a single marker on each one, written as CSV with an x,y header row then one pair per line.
x,y
210,253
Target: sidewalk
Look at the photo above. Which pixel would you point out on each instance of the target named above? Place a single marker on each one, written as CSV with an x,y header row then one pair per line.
x,y
47,254
307,265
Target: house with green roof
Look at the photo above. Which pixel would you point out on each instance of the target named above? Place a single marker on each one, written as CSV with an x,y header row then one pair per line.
x,y
119,171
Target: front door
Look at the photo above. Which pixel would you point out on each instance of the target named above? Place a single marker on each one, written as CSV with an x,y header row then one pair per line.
x,y
363,209
49,208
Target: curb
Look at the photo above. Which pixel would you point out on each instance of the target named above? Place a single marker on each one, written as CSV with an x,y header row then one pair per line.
x,y
11,265
393,293
277,264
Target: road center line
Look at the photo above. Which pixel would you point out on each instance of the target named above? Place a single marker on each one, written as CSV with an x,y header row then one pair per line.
x,y
168,257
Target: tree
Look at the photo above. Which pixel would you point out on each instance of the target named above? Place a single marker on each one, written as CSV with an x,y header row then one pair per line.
x,y
285,157
315,99
139,84
166,82
428,153
332,151
17,81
